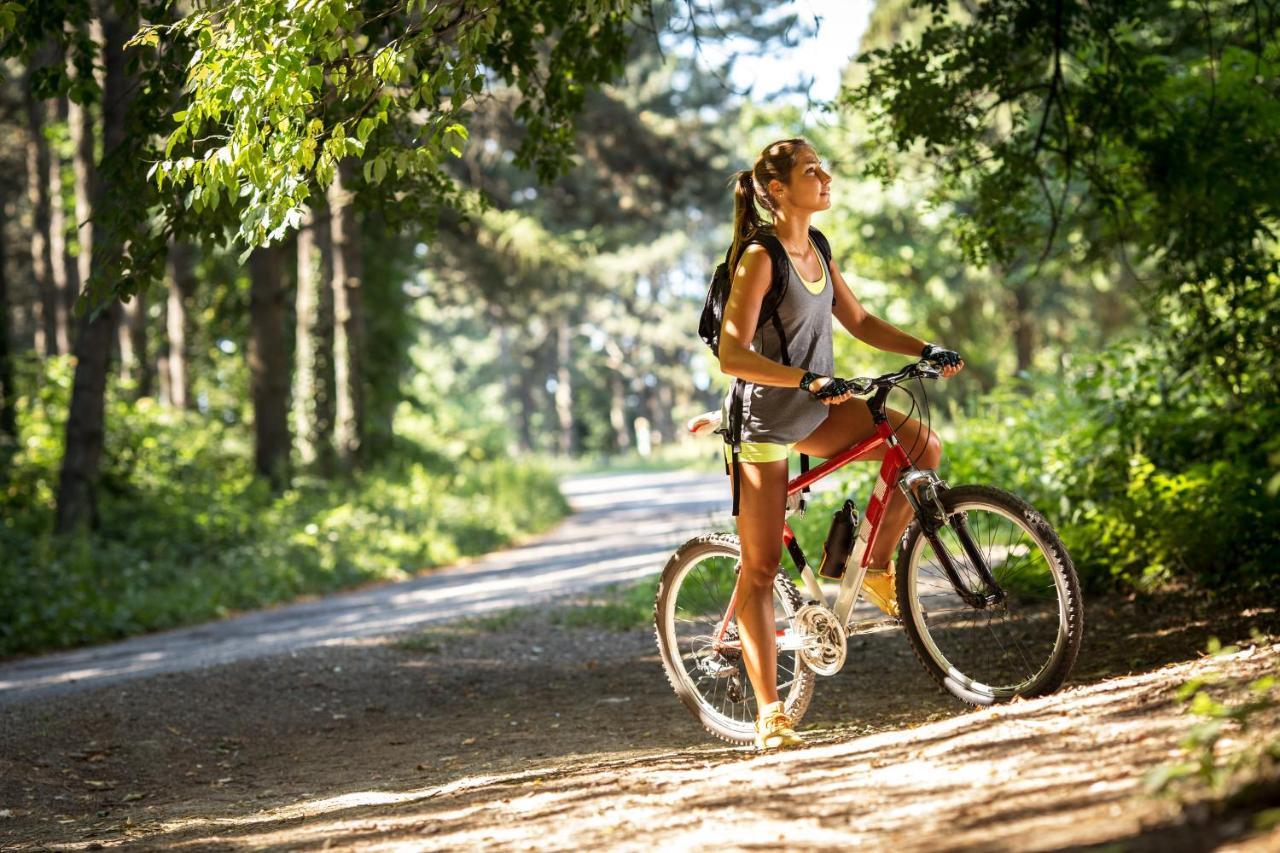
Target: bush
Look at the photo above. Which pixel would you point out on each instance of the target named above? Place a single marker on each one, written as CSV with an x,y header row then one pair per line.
x,y
1147,476
187,533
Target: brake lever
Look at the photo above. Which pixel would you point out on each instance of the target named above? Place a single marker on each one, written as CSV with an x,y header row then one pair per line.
x,y
861,385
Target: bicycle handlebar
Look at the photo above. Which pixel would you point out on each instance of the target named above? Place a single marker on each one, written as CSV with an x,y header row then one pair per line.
x,y
921,369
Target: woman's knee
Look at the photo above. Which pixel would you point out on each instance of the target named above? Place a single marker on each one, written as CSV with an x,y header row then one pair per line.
x,y
927,454
759,574
933,450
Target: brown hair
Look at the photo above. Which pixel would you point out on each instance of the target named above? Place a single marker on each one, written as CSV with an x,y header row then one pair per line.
x,y
752,186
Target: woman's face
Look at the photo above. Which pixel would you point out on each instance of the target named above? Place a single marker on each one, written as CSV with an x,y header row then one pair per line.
x,y
809,186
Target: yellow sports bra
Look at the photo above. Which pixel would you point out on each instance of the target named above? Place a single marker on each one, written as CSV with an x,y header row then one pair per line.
x,y
818,284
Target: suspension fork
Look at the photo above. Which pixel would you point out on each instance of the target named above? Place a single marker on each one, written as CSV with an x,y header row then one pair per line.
x,y
928,509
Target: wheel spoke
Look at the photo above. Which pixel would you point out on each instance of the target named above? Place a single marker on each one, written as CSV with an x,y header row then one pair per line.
x,y
695,600
1002,647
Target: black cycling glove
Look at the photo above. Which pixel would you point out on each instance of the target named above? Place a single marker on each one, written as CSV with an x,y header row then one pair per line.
x,y
838,387
939,356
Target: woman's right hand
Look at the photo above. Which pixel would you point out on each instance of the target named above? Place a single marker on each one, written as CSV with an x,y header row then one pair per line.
x,y
831,390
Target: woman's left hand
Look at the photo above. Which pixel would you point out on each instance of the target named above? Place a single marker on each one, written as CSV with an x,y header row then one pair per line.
x,y
949,361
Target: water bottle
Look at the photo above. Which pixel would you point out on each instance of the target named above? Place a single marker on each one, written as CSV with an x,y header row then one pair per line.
x,y
835,552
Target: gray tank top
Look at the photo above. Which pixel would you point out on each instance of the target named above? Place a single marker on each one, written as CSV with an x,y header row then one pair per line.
x,y
786,415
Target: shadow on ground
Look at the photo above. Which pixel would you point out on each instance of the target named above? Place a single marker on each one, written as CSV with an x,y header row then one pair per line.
x,y
531,734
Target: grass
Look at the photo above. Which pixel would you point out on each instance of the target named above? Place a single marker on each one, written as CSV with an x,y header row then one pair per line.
x,y
187,533
621,607
618,607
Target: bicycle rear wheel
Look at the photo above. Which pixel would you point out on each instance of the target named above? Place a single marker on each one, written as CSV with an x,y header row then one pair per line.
x,y
709,677
989,645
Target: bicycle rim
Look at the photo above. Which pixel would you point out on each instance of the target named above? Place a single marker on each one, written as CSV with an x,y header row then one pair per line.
x,y
710,677
1000,651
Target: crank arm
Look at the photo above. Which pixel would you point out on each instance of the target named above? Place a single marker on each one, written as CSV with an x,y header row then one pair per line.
x,y
793,641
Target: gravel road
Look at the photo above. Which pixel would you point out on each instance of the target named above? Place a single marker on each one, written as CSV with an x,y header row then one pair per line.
x,y
623,527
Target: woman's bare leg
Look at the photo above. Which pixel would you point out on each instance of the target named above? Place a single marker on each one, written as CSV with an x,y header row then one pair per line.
x,y
762,508
849,423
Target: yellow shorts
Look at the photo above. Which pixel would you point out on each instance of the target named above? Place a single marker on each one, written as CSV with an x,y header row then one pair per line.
x,y
758,451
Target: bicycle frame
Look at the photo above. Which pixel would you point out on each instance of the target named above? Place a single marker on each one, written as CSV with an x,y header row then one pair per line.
x,y
896,468
893,466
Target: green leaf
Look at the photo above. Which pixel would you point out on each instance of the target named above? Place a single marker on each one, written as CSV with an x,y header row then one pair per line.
x,y
1159,778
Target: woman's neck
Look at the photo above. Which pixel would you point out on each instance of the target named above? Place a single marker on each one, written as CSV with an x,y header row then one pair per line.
x,y
792,228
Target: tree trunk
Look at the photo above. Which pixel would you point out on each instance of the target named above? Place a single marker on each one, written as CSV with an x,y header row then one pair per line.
x,y
525,364
514,389
312,383
135,367
618,412
82,457
46,338
63,272
564,391
8,394
1024,328
181,286
268,367
80,124
348,321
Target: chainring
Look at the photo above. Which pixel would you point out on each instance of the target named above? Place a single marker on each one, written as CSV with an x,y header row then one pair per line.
x,y
825,645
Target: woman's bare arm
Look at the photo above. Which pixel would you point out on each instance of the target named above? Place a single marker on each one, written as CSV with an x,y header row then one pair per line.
x,y
751,281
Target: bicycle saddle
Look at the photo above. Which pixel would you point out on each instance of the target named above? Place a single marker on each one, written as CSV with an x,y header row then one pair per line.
x,y
704,424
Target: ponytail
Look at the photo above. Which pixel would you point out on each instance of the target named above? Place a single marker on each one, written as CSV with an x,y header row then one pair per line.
x,y
746,217
750,186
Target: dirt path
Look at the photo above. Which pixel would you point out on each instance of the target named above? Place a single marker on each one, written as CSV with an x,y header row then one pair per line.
x,y
624,526
518,732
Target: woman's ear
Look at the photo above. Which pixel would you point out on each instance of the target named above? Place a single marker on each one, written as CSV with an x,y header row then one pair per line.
x,y
775,189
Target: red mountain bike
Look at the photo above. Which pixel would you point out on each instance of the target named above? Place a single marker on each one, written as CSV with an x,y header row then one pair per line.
x,y
987,594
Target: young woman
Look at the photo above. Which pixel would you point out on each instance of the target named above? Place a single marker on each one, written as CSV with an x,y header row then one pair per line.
x,y
803,406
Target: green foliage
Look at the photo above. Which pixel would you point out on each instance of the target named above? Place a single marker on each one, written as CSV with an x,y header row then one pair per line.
x,y
1207,758
290,91
1147,133
1146,475
188,534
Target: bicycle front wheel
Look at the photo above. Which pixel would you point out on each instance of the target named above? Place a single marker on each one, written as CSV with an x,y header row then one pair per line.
x,y
984,644
702,657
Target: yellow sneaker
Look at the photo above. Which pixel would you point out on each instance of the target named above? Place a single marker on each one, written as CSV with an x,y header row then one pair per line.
x,y
773,729
881,590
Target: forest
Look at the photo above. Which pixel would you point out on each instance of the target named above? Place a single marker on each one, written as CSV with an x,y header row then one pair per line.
x,y
347,352
298,296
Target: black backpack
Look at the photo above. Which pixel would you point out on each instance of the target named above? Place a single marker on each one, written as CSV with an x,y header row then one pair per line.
x,y
713,317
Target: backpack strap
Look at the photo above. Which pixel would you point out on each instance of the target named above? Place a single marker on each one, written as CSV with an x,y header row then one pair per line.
x,y
734,437
820,240
824,246
781,279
